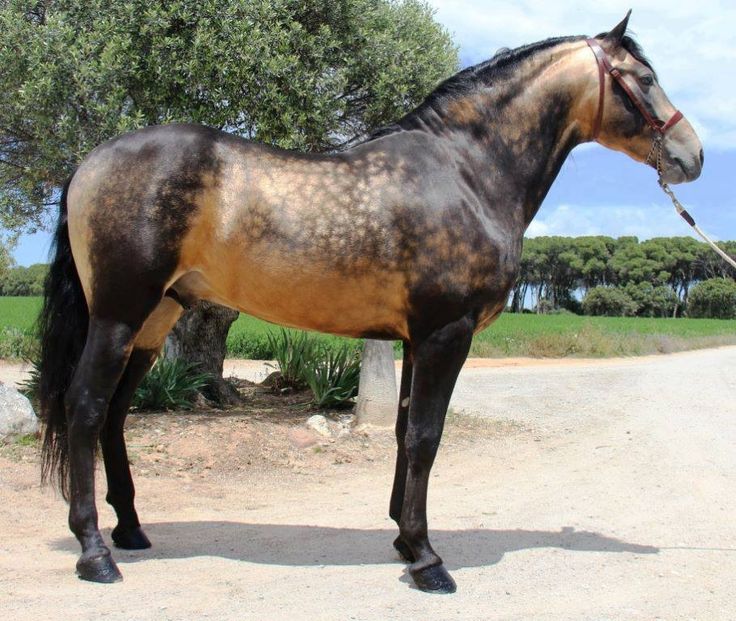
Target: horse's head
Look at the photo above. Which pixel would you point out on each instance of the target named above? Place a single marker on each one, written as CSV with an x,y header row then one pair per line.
x,y
632,113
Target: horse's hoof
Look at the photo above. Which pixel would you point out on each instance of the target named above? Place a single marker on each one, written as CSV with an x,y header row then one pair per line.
x,y
130,539
99,569
403,550
433,579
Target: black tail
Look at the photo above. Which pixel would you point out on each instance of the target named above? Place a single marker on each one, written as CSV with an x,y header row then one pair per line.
x,y
63,332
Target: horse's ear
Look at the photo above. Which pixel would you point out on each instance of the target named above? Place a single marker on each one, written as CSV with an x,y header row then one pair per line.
x,y
615,36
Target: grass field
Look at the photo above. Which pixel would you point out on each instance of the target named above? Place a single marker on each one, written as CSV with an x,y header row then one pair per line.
x,y
512,335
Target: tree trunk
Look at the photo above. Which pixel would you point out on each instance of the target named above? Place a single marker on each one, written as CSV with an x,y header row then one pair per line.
x,y
377,398
199,338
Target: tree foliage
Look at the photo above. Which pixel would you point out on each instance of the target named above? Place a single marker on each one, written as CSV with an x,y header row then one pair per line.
x,y
714,298
609,302
305,74
25,281
656,274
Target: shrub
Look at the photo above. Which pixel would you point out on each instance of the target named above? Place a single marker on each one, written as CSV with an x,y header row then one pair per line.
x,y
169,385
293,353
18,343
609,302
334,376
714,298
330,370
652,301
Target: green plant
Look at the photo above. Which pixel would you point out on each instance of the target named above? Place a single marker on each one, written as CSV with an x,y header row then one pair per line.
x,y
714,298
18,342
169,385
294,352
609,302
333,377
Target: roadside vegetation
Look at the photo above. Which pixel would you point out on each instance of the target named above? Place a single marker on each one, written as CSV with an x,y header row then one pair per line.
x,y
513,334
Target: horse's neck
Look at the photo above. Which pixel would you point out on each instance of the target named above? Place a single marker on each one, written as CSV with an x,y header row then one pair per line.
x,y
522,129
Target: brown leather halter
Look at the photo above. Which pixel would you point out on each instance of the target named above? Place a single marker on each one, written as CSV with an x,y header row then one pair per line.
x,y
604,65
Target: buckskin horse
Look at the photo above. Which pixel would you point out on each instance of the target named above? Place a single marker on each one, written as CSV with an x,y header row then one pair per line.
x,y
414,234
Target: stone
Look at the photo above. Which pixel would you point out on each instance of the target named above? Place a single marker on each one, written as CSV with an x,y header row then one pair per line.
x,y
17,417
319,424
302,438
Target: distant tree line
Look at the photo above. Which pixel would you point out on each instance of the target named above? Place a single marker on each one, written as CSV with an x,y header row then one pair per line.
x,y
23,280
660,277
600,275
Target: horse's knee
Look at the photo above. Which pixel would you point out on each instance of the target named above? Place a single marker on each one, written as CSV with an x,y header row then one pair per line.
x,y
85,413
421,448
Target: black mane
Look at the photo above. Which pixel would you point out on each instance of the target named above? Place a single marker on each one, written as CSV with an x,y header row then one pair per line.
x,y
487,72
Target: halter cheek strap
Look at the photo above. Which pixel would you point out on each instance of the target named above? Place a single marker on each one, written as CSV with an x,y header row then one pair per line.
x,y
605,66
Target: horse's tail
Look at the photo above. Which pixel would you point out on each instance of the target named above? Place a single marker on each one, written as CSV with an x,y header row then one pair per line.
x,y
62,327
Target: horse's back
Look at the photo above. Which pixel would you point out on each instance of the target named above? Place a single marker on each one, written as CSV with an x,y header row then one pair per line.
x,y
296,239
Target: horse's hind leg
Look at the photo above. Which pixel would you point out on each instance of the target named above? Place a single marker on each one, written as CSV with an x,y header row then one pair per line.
x,y
97,375
120,490
437,362
397,493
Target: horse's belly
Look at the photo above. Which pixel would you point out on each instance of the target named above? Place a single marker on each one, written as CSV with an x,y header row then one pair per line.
x,y
311,297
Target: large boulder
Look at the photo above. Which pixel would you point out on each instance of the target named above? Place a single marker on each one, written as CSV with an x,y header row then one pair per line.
x,y
17,417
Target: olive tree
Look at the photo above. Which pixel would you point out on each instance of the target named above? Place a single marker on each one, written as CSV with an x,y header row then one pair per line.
x,y
314,75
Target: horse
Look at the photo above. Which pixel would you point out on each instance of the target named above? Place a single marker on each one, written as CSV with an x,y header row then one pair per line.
x,y
415,234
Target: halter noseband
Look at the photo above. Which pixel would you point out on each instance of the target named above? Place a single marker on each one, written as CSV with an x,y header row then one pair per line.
x,y
604,65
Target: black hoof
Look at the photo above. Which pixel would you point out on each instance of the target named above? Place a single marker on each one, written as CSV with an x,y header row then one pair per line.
x,y
403,550
130,539
433,579
99,569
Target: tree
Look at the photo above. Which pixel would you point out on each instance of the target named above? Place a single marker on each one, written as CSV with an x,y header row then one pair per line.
x,y
714,298
24,280
314,75
609,302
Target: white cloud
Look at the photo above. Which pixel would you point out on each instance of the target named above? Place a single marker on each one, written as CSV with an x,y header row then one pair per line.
x,y
691,44
615,221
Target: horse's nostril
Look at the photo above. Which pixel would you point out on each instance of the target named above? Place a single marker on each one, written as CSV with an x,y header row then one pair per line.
x,y
702,157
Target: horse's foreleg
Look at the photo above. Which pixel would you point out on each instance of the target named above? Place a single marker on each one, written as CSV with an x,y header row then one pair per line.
x,y
120,490
437,362
95,379
397,493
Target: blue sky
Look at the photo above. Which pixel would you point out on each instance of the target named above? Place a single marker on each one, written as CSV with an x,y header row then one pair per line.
x,y
693,47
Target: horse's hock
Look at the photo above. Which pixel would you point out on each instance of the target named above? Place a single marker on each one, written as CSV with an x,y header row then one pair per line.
x,y
377,400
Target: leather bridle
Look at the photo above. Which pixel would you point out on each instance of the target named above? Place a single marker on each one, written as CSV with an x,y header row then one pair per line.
x,y
605,66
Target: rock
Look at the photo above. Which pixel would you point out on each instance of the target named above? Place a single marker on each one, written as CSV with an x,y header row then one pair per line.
x,y
302,438
319,424
17,417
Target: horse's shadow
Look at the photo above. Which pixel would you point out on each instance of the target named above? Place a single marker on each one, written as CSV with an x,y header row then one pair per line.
x,y
301,545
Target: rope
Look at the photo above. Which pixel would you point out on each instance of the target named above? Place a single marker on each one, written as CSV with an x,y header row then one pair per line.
x,y
656,150
689,219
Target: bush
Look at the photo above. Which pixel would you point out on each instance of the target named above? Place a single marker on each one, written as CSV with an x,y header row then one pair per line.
x,y
18,343
609,302
293,353
334,376
169,385
330,371
714,298
652,301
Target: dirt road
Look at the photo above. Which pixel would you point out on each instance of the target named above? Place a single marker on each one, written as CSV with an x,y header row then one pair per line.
x,y
611,497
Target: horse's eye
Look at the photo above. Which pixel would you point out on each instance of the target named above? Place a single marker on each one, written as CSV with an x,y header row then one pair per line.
x,y
647,80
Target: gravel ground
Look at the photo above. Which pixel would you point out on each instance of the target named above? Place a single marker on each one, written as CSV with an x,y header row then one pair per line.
x,y
611,497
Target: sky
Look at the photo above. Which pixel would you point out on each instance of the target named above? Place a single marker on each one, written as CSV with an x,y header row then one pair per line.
x,y
692,45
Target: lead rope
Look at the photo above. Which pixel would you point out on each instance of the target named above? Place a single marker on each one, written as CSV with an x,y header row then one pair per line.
x,y
657,146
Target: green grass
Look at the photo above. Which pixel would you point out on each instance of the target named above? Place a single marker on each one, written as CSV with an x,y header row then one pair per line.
x,y
512,335
19,312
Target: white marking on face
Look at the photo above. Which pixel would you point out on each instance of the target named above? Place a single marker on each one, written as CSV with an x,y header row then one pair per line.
x,y
405,403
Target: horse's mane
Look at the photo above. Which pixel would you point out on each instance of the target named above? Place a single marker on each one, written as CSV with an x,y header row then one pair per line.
x,y
487,72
